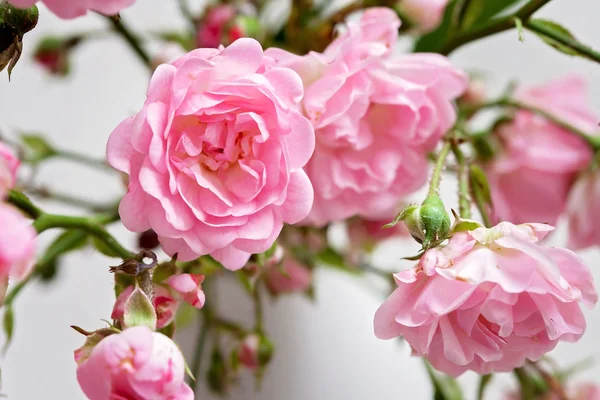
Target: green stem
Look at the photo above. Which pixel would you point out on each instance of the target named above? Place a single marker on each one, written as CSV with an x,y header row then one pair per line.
x,y
464,203
593,141
23,203
184,8
434,184
481,205
494,26
199,350
484,380
86,224
230,327
83,159
68,200
258,308
526,383
122,29
587,51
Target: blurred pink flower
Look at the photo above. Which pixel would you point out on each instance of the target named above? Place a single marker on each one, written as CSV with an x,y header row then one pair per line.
x,y
135,364
164,304
425,14
541,157
215,156
288,277
75,8
376,117
17,247
216,27
189,286
364,233
9,164
489,300
583,212
248,352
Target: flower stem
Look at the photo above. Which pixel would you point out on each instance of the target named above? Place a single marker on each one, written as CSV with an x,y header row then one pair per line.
x,y
132,40
87,224
496,25
593,141
83,159
434,184
23,203
258,308
205,323
66,199
464,203
484,380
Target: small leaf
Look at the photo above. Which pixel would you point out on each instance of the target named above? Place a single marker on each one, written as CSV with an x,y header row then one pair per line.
x,y
435,40
479,12
479,180
36,148
556,30
9,325
139,311
519,25
163,271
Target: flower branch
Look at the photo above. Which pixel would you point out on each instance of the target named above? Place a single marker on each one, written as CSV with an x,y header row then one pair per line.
x,y
132,40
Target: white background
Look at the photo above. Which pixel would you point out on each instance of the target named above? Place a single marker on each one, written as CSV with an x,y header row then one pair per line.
x,y
325,350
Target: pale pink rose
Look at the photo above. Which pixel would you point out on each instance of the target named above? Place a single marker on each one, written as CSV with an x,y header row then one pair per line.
x,y
539,157
164,304
489,300
9,164
376,116
135,364
189,287
248,352
216,25
17,246
291,276
425,14
215,156
583,212
75,8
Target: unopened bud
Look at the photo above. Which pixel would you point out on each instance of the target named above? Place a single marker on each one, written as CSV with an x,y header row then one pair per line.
x,y
52,54
255,351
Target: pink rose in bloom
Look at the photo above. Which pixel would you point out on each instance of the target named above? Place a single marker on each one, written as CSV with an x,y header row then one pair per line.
x,y
376,116
289,277
189,287
540,157
17,246
489,300
9,164
248,352
583,212
75,8
216,27
215,156
136,364
425,14
164,304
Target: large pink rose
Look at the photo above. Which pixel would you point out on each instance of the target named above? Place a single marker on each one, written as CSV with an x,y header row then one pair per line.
x,y
376,115
541,158
75,8
425,14
215,156
17,246
583,212
135,364
489,300
9,164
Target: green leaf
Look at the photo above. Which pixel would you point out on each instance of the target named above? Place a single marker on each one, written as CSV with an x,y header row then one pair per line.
x,y
445,387
8,325
435,40
164,271
139,311
36,148
479,12
479,182
556,30
104,249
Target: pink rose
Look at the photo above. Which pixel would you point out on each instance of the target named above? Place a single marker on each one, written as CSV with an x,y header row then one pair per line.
x,y
376,116
9,164
425,14
489,300
215,25
288,277
164,304
215,156
583,212
75,8
539,156
17,246
189,287
134,364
